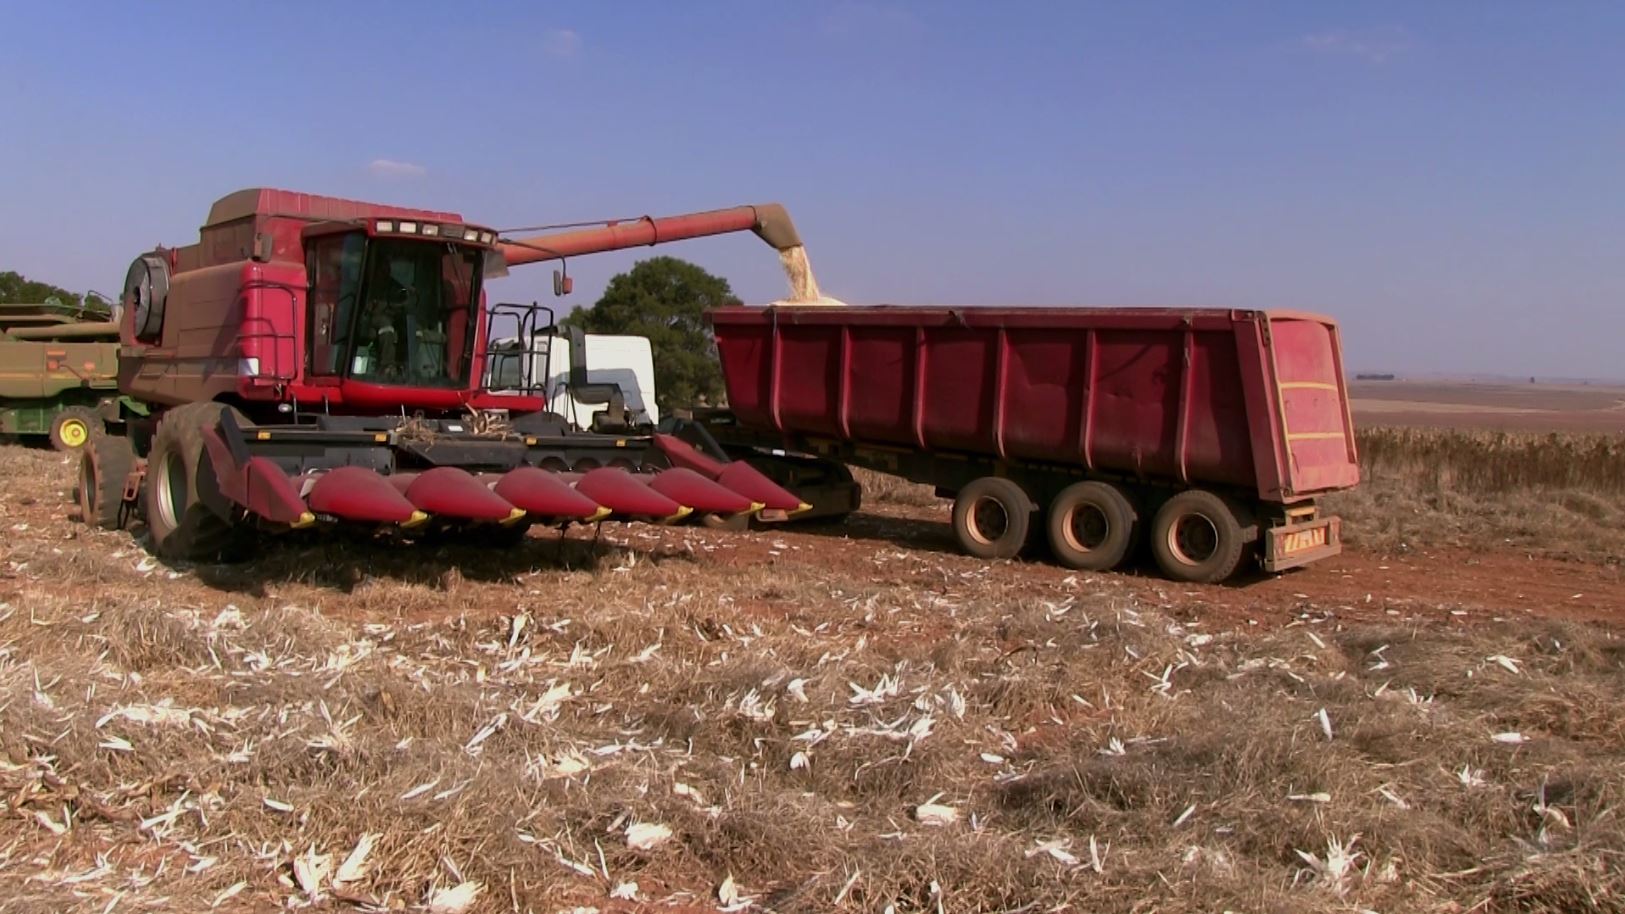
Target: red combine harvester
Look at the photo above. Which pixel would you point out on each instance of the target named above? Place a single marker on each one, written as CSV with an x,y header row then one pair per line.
x,y
1207,434
318,362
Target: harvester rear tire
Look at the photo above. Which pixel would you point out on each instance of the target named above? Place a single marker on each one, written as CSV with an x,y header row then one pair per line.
x,y
1196,538
992,516
180,488
104,465
74,427
1091,526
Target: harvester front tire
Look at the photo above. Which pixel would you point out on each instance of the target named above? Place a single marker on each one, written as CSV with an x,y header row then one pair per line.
x,y
1091,526
991,519
1196,538
179,487
74,427
104,465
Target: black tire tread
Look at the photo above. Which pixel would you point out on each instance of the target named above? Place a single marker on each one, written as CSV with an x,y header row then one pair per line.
x,y
104,466
1120,516
200,534
1218,567
85,414
1018,509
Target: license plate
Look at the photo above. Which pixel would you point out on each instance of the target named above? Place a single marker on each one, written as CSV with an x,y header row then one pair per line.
x,y
1302,540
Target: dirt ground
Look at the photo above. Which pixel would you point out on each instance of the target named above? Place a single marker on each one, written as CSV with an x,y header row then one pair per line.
x,y
838,717
1512,407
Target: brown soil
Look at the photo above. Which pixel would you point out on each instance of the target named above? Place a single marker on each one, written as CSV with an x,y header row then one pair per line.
x,y
1453,586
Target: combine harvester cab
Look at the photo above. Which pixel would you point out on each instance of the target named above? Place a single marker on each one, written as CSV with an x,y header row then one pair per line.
x,y
316,362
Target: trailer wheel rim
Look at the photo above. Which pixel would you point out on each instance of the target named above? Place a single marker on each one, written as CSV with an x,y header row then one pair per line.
x,y
987,521
1193,538
171,490
1087,528
73,432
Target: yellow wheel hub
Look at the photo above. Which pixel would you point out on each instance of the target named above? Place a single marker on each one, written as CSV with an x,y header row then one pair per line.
x,y
74,433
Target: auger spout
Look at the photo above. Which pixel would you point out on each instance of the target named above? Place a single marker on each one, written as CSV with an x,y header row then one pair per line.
x,y
769,221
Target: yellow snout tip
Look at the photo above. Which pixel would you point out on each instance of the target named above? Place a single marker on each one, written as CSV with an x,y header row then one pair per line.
x,y
417,519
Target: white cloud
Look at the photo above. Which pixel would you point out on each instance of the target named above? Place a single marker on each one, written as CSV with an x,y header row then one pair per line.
x,y
389,168
561,43
1374,46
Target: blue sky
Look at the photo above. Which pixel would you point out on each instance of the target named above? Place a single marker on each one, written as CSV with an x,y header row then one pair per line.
x,y
1447,179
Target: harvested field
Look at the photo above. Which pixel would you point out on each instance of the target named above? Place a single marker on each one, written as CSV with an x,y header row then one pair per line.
x,y
1508,407
849,718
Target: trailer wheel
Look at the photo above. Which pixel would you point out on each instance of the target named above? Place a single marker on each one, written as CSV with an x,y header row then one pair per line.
x,y
1091,526
179,487
73,427
1196,537
104,465
991,518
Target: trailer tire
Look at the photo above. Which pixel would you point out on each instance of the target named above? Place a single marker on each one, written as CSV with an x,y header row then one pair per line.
x,y
1091,526
74,427
1196,538
104,466
180,487
992,516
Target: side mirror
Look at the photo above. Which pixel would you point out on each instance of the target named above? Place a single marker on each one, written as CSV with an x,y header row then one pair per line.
x,y
562,284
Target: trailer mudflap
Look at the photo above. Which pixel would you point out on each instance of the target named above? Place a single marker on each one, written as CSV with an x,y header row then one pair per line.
x,y
1293,545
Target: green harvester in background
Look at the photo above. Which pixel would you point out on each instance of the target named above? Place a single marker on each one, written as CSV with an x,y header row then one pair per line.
x,y
58,371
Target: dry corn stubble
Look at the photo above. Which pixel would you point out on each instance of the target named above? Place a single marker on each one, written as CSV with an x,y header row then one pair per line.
x,y
193,733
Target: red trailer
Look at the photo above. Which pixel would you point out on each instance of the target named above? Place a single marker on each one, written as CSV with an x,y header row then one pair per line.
x,y
1221,428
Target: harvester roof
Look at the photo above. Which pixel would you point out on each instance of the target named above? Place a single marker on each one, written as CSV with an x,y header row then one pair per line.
x,y
242,223
267,202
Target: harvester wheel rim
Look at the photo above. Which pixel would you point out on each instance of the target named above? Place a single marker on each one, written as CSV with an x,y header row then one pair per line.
x,y
88,483
171,489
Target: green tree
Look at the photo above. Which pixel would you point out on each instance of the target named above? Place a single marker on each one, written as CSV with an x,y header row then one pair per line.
x,y
15,288
665,299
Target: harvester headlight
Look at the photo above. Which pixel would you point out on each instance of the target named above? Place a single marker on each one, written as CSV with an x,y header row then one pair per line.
x,y
488,237
410,228
471,235
250,366
431,230
384,225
